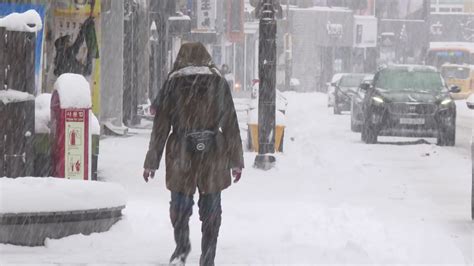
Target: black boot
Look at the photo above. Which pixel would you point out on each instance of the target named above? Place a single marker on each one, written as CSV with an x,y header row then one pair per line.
x,y
210,233
210,214
180,211
183,245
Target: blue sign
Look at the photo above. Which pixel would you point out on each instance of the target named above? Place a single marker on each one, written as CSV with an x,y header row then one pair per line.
x,y
6,9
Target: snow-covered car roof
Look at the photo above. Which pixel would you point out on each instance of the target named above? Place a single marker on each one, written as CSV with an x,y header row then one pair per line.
x,y
369,77
337,76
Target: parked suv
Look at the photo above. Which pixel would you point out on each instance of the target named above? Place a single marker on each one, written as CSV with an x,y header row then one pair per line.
x,y
409,101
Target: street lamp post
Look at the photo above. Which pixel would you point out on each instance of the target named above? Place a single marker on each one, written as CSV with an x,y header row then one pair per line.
x,y
287,48
267,93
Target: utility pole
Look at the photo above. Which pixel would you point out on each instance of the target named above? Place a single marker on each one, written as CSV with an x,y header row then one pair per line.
x,y
267,93
287,48
130,97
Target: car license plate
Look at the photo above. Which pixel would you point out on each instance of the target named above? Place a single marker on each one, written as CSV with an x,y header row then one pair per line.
x,y
412,121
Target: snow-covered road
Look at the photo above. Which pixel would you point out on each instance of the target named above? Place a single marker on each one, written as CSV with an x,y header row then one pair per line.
x,y
331,199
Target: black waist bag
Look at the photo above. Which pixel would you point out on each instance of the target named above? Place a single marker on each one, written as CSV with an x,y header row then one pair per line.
x,y
200,141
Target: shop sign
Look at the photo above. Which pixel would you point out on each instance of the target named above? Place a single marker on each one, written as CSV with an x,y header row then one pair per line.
x,y
206,14
365,31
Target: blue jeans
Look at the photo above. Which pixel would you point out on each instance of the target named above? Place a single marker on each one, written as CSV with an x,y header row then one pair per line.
x,y
210,212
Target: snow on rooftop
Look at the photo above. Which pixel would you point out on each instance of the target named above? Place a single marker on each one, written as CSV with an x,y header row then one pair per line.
x,y
43,113
14,96
29,21
74,91
34,194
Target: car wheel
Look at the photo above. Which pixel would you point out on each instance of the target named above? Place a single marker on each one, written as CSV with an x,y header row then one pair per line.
x,y
354,126
336,109
369,134
447,136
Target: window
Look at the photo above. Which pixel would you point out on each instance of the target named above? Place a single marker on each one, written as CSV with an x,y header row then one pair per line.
x,y
401,80
455,72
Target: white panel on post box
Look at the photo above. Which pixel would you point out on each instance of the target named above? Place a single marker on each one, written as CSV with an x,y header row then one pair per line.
x,y
75,144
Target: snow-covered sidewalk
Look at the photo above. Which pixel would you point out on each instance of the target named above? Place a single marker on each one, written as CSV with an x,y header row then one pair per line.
x,y
331,199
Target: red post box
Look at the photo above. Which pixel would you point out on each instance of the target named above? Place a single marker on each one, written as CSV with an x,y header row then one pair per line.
x,y
70,117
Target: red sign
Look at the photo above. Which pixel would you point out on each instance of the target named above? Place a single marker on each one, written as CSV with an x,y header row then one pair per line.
x,y
75,116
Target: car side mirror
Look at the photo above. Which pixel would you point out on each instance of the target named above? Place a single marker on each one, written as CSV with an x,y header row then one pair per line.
x,y
470,102
365,86
454,89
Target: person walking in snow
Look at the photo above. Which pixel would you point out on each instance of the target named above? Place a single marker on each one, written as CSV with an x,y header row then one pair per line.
x,y
203,150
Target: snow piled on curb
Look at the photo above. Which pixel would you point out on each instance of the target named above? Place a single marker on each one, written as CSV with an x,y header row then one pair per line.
x,y
33,194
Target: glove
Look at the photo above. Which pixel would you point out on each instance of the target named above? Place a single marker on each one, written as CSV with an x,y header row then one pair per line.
x,y
237,174
148,173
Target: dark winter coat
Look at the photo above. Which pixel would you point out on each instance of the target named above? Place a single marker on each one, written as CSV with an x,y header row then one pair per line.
x,y
195,97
